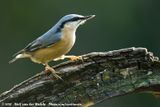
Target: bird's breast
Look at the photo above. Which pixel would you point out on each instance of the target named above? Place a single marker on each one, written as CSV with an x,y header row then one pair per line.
x,y
58,49
68,37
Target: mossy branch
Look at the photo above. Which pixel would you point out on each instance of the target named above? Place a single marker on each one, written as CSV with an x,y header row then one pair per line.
x,y
100,76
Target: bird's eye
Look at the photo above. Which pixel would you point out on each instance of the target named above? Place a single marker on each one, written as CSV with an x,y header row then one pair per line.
x,y
75,19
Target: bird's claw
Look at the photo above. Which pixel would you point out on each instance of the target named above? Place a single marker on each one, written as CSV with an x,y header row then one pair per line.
x,y
54,73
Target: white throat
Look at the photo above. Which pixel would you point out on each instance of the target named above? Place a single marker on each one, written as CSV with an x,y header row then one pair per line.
x,y
69,35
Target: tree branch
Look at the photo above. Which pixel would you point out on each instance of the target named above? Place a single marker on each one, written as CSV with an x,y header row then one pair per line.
x,y
100,76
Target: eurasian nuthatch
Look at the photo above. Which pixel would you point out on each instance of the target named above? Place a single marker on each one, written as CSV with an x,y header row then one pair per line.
x,y
55,43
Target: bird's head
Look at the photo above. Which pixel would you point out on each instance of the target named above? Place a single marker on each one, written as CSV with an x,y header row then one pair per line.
x,y
72,21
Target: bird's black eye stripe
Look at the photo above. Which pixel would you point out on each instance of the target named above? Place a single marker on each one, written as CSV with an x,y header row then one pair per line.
x,y
73,19
76,18
70,20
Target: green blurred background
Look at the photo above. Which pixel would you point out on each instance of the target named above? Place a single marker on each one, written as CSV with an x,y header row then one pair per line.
x,y
118,24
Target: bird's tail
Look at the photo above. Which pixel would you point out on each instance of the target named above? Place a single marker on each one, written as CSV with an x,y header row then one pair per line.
x,y
13,60
22,55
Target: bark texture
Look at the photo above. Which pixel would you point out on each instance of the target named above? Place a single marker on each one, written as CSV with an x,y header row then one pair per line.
x,y
99,76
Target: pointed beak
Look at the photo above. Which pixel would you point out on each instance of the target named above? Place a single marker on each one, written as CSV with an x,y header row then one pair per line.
x,y
85,18
88,17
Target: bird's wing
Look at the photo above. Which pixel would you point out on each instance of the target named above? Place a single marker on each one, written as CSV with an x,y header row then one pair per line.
x,y
43,41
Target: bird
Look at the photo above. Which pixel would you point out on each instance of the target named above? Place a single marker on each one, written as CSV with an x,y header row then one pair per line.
x,y
55,43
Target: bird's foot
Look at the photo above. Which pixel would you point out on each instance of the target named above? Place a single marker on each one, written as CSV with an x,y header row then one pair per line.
x,y
74,58
55,73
